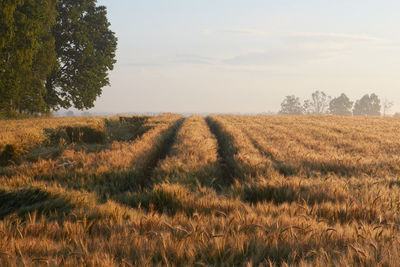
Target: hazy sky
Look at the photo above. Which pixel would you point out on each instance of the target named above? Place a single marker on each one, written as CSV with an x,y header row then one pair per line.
x,y
246,56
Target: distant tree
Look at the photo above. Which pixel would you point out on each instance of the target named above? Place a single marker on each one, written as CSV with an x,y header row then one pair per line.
x,y
70,113
318,104
397,114
368,105
386,105
291,105
341,105
85,49
375,105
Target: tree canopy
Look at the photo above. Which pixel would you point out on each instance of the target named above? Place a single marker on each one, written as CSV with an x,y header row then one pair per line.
x,y
291,105
341,105
318,104
321,103
367,105
85,48
27,53
53,54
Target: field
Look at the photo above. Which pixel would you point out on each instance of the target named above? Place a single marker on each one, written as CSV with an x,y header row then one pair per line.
x,y
221,190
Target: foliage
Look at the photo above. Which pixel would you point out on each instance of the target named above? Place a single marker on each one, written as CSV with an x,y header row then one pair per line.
x,y
318,104
291,105
26,54
367,105
53,54
341,106
85,48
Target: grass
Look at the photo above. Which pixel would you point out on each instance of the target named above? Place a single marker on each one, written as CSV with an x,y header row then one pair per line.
x,y
223,190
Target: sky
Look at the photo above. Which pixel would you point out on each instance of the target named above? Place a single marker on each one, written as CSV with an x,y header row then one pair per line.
x,y
246,56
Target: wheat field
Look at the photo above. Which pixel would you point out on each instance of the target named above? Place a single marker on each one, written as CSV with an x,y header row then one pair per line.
x,y
222,190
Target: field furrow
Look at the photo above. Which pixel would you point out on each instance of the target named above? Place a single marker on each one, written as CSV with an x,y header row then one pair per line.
x,y
193,157
242,159
120,167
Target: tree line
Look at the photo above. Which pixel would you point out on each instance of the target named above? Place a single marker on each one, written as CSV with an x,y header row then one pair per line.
x,y
53,54
321,103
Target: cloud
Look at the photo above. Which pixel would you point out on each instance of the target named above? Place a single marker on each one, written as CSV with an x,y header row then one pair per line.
x,y
276,49
244,31
235,31
193,59
277,56
141,64
331,37
302,36
165,61
304,47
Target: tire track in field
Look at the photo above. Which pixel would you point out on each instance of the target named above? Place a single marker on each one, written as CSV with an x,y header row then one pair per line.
x,y
225,158
168,141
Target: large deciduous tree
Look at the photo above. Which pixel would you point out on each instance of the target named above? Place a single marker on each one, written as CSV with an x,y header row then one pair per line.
x,y
85,48
291,105
367,105
341,105
26,53
53,54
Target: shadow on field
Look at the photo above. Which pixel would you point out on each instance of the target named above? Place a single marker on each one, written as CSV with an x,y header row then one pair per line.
x,y
127,128
90,139
124,129
307,167
145,179
233,167
226,152
207,175
31,200
280,194
77,134
113,184
9,155
164,201
312,168
172,198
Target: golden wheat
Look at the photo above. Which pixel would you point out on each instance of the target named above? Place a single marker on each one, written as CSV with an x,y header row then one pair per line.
x,y
225,190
